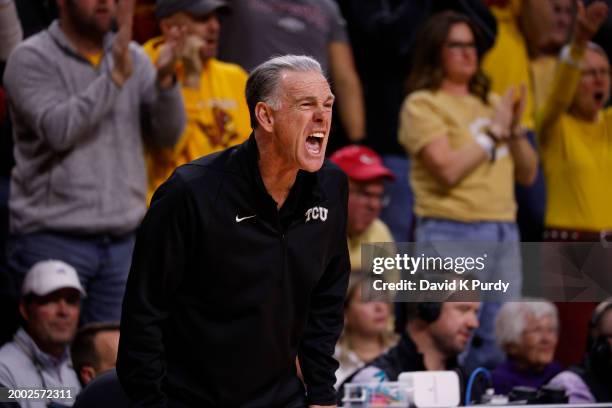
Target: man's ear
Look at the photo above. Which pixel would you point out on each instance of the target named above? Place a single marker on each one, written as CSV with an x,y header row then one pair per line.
x,y
263,114
23,311
87,374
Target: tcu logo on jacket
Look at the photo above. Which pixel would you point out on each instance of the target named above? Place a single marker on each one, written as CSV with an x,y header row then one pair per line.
x,y
316,213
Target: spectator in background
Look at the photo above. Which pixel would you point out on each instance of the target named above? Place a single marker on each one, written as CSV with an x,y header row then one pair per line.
x,y
94,350
367,175
382,35
527,332
256,31
467,148
367,331
590,381
38,357
435,334
576,150
77,94
575,142
213,91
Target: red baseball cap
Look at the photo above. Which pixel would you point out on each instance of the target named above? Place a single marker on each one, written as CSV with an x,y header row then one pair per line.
x,y
361,163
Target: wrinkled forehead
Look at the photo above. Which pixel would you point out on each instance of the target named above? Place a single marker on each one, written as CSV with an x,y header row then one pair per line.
x,y
596,58
303,84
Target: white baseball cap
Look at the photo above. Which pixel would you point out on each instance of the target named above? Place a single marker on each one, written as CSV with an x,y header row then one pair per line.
x,y
45,277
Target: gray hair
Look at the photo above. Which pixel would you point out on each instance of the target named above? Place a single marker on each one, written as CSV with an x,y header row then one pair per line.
x,y
512,319
264,79
598,49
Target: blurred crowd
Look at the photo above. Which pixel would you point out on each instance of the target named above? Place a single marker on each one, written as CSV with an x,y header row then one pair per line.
x,y
466,120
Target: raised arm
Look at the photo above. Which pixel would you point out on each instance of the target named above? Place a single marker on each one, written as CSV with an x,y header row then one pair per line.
x,y
567,75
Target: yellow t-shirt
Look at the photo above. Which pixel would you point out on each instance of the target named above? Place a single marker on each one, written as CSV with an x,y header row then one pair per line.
x,y
377,232
487,193
542,75
507,62
217,117
94,59
576,158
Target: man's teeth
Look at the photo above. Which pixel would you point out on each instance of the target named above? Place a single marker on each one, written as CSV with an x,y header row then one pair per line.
x,y
317,135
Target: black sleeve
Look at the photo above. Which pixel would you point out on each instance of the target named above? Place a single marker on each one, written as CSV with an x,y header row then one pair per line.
x,y
160,257
326,318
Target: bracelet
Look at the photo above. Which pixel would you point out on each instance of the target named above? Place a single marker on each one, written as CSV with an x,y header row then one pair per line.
x,y
487,143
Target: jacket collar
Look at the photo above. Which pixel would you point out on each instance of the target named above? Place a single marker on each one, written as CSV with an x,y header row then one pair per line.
x,y
305,192
57,34
29,346
412,356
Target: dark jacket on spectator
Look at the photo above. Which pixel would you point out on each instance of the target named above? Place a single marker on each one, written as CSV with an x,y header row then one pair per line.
x,y
405,357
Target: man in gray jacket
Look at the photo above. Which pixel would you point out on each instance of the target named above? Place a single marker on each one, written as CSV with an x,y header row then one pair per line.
x,y
80,99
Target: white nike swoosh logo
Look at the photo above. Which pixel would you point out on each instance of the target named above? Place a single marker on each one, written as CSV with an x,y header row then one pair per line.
x,y
240,219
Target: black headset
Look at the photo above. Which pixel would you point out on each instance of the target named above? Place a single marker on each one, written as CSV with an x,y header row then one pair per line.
x,y
429,311
600,352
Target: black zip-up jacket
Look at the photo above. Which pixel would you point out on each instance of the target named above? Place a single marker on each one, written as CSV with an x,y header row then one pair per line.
x,y
405,357
225,290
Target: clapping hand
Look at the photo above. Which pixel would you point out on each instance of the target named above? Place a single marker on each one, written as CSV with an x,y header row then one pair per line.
x,y
503,117
169,52
192,62
122,58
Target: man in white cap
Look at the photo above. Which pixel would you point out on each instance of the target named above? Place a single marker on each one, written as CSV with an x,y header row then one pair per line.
x,y
38,357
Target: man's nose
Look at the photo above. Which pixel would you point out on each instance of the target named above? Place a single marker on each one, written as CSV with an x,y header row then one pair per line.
x,y
319,114
62,306
214,24
472,321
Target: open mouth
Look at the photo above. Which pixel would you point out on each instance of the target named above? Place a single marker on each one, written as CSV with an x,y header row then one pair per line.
x,y
314,142
211,41
599,97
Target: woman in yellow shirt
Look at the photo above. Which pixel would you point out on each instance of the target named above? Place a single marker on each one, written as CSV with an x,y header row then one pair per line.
x,y
467,150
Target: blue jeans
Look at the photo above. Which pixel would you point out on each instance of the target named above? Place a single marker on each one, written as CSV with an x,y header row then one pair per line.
x,y
398,213
482,351
531,203
102,263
